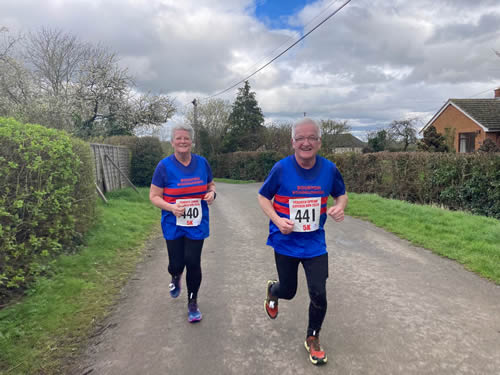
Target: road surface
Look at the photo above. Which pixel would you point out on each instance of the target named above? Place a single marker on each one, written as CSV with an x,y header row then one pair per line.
x,y
393,308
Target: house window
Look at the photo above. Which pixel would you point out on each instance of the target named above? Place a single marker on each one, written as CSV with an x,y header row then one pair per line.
x,y
467,142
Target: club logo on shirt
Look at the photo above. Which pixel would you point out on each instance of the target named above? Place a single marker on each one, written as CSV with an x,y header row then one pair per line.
x,y
308,190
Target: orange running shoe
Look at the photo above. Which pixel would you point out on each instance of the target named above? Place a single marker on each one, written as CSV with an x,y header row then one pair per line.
x,y
316,354
271,302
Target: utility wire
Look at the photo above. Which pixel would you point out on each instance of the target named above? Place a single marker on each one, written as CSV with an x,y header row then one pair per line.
x,y
282,53
269,55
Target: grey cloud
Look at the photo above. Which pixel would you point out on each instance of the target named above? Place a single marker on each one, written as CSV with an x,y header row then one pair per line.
x,y
374,62
457,32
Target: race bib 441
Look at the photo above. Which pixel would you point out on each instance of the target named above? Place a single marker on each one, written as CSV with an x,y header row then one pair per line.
x,y
305,213
192,212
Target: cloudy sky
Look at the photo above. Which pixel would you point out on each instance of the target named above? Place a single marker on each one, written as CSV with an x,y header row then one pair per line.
x,y
374,62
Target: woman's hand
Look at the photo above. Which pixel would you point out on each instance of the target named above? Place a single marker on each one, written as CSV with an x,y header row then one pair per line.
x,y
177,209
209,197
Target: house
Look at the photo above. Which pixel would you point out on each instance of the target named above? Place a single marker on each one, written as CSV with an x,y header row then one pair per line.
x,y
340,143
467,123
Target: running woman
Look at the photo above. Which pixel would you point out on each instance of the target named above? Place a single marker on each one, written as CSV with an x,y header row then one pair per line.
x,y
183,188
294,196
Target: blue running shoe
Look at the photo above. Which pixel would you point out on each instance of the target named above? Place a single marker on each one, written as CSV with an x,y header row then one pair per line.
x,y
194,314
175,286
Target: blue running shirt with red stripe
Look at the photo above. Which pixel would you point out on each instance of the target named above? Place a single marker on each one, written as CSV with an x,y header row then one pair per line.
x,y
288,180
181,182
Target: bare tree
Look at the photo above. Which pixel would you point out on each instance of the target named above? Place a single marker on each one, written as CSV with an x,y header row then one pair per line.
x,y
64,83
404,132
332,127
55,58
16,88
7,42
213,122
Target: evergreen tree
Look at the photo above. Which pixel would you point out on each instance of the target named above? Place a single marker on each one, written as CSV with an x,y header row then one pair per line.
x,y
245,131
433,141
378,142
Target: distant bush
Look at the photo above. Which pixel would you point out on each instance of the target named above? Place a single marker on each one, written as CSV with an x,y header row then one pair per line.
x,y
146,154
244,165
458,181
46,199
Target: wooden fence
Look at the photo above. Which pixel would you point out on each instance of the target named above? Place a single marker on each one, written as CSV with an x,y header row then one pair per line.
x,y
112,167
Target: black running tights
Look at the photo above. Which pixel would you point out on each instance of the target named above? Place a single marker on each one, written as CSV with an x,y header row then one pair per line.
x,y
184,252
316,270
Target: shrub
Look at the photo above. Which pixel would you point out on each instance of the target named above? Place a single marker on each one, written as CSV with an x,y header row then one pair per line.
x,y
40,199
85,193
489,146
146,154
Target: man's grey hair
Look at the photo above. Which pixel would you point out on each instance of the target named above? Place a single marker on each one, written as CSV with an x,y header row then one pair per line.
x,y
303,121
185,127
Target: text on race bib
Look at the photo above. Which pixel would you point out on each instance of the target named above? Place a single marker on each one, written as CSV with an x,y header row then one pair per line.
x,y
305,213
192,212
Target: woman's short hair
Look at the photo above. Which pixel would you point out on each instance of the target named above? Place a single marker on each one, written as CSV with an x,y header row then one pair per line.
x,y
185,127
303,121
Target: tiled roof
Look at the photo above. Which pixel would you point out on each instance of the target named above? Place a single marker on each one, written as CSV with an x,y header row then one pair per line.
x,y
484,111
347,140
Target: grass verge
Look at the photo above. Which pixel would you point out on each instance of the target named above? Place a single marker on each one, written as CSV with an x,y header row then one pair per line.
x,y
472,240
230,181
47,326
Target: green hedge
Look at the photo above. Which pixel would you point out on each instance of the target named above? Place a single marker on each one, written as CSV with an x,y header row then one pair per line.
x,y
468,182
244,165
47,199
458,181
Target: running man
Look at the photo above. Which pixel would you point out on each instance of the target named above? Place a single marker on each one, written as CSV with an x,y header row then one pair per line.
x,y
300,185
182,187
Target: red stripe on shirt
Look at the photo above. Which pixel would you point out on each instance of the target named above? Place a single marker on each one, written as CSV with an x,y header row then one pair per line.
x,y
281,198
281,209
185,190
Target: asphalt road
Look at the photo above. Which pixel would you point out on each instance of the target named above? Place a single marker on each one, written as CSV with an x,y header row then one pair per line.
x,y
393,308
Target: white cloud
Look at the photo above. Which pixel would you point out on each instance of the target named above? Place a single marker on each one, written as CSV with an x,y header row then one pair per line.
x,y
374,62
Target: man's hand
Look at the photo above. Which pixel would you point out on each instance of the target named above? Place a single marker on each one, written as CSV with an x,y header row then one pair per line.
x,y
336,212
284,225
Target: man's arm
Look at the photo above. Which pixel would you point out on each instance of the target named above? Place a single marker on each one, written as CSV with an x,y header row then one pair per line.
x,y
337,210
284,225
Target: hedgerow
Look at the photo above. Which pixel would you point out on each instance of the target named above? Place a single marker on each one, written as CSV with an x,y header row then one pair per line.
x,y
244,165
46,199
468,182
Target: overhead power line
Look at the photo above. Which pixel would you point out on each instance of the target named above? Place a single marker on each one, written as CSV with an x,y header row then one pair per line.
x,y
289,39
282,53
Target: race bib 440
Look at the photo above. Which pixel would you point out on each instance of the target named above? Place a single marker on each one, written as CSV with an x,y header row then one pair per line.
x,y
305,213
192,212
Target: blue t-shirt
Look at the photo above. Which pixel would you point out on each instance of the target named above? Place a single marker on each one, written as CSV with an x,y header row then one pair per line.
x,y
288,180
181,182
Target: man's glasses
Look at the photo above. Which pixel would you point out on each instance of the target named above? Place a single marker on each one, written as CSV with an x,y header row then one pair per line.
x,y
311,139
